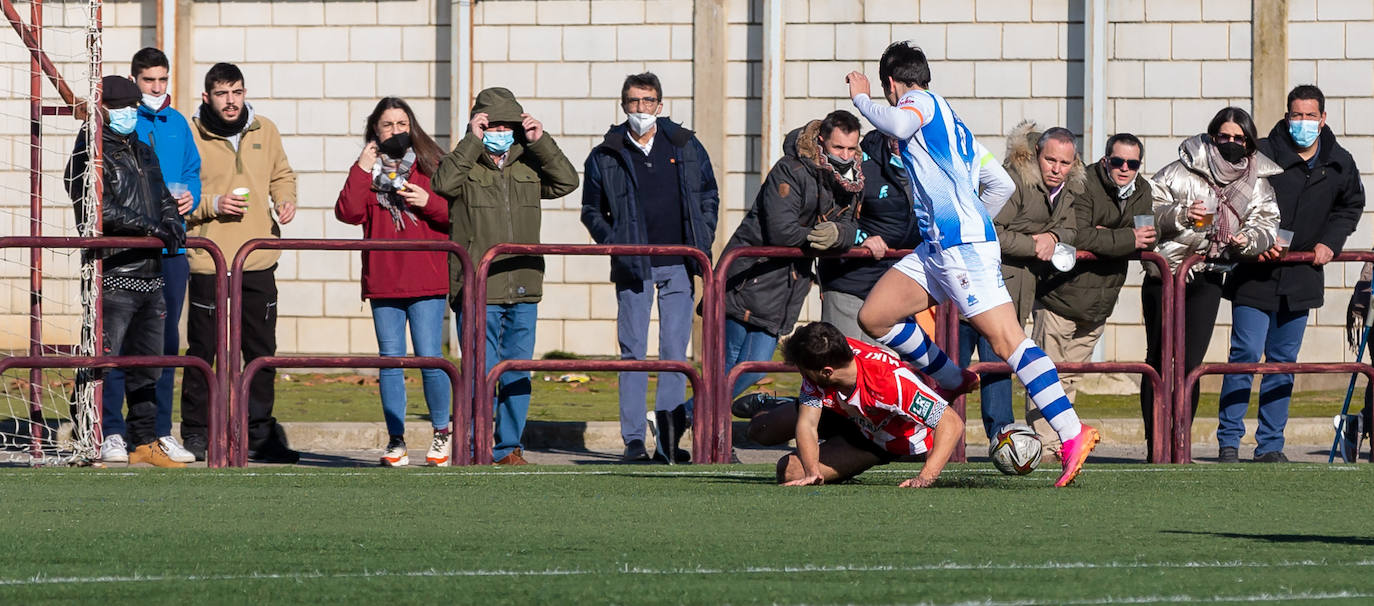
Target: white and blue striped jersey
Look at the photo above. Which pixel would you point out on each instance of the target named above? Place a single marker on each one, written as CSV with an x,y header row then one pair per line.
x,y
946,165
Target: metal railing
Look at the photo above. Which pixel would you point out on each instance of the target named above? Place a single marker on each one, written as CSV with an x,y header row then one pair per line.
x,y
704,433
238,409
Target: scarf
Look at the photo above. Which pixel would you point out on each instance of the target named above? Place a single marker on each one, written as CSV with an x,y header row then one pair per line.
x,y
388,177
854,185
1237,185
215,124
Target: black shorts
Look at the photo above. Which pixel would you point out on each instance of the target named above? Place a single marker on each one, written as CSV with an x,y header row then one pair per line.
x,y
835,426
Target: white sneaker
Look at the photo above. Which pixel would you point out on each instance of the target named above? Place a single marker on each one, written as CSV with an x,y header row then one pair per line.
x,y
114,450
175,451
395,455
439,450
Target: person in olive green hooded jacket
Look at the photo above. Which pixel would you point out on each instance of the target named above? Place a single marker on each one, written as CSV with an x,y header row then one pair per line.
x,y
496,176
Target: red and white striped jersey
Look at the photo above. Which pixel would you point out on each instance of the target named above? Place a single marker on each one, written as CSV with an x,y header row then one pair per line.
x,y
889,404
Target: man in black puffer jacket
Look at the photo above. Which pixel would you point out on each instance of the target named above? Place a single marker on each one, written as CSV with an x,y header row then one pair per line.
x,y
135,202
807,201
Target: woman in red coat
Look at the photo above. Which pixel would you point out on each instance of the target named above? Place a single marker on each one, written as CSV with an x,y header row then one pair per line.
x,y
388,193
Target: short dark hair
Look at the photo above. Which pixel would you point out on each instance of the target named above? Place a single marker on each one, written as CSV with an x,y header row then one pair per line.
x,y
1057,133
146,58
841,119
644,80
1242,119
816,346
1308,92
1125,138
905,63
222,73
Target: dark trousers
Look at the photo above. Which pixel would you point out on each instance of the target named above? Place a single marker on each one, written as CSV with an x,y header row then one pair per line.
x,y
1201,300
259,325
132,324
175,272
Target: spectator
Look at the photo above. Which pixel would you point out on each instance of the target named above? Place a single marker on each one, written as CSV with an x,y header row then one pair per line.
x,y
1216,201
169,135
1319,200
1040,214
884,221
388,193
1074,305
807,201
239,150
135,202
496,176
1356,310
650,182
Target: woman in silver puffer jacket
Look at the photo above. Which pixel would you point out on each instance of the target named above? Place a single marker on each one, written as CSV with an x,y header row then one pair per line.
x,y
1214,201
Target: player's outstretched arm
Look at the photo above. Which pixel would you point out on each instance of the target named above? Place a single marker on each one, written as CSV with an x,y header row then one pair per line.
x,y
808,449
899,122
947,433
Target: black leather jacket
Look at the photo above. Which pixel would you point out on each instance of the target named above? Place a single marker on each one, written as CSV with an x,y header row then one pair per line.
x,y
136,203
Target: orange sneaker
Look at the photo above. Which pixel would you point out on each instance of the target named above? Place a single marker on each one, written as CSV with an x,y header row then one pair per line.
x,y
970,383
153,454
1075,452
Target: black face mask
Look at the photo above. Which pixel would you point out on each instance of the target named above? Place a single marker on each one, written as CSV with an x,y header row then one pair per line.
x,y
1231,151
395,147
841,166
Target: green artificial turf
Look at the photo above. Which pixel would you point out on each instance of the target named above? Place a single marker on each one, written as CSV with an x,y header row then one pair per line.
x,y
701,535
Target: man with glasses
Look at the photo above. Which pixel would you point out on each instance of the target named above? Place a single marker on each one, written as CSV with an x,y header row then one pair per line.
x,y
650,182
1114,219
1320,200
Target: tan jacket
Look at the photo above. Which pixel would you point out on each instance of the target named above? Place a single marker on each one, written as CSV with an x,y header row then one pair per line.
x,y
258,163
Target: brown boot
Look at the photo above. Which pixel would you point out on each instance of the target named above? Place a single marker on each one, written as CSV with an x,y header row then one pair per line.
x,y
514,458
152,454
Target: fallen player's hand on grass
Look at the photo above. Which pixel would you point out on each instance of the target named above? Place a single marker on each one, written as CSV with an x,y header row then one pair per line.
x,y
815,480
918,482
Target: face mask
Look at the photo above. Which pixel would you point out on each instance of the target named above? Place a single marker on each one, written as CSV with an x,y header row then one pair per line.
x,y
497,142
123,120
154,102
641,123
1126,190
395,147
841,166
1304,132
1231,151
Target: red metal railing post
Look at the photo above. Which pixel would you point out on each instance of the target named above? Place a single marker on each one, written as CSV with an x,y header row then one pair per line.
x,y
706,437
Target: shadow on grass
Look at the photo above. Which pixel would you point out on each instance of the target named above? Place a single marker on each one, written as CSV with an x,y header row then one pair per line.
x,y
1284,538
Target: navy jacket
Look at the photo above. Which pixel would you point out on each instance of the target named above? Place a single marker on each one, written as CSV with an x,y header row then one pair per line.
x,y
612,213
886,211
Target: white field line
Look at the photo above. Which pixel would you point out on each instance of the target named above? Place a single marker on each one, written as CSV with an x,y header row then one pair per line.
x,y
627,570
705,473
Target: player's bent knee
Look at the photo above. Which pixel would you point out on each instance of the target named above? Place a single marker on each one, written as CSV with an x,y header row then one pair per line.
x,y
872,322
789,468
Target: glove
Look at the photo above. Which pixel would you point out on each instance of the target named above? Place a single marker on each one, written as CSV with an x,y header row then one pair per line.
x,y
824,235
1355,312
172,234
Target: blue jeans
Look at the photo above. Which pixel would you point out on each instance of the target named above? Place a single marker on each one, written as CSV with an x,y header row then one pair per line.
x,y
633,301
1278,334
995,391
175,273
510,336
426,317
744,343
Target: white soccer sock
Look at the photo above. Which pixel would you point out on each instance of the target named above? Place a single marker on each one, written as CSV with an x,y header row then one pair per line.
x,y
1037,372
908,339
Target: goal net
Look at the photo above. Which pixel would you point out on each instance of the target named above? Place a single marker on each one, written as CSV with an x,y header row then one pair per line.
x,y
47,296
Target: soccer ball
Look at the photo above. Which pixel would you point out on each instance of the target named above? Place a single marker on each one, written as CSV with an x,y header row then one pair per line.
x,y
1015,450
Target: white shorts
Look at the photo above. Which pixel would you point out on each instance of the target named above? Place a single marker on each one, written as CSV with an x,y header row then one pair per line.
x,y
970,275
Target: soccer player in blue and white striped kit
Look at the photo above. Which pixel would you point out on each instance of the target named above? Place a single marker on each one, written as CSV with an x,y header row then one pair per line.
x,y
959,260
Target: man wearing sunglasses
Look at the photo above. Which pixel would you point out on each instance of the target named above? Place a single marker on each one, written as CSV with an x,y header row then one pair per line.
x,y
1074,305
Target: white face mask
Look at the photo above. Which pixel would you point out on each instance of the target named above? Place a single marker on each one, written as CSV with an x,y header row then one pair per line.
x,y
1126,190
155,101
641,123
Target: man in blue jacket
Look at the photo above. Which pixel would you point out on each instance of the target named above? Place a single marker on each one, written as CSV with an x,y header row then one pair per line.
x,y
166,131
650,182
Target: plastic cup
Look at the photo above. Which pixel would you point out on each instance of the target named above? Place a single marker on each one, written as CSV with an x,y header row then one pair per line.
x,y
242,192
1285,238
177,189
1144,221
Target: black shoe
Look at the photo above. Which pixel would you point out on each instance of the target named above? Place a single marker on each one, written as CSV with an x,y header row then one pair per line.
x,y
1275,456
275,449
196,444
750,405
1228,454
668,429
634,452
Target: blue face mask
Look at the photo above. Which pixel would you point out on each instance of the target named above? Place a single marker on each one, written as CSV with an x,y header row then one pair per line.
x,y
123,120
497,142
1304,132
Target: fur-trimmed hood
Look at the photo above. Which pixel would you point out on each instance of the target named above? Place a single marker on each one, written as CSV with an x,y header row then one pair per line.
x,y
1023,165
801,143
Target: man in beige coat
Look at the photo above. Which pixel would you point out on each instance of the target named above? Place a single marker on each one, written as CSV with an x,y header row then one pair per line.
x,y
248,187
